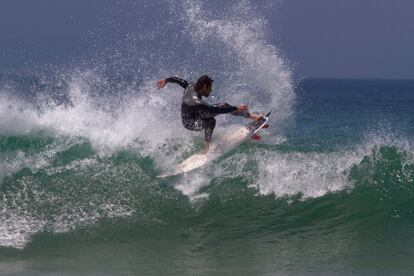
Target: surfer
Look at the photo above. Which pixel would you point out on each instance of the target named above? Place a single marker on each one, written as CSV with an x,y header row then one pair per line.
x,y
197,114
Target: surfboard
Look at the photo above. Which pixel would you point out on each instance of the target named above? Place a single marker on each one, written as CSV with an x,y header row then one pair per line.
x,y
226,142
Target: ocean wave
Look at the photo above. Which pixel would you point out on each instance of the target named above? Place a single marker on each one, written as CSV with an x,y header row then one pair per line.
x,y
73,187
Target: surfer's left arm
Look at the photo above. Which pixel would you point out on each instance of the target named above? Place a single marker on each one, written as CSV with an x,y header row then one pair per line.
x,y
181,82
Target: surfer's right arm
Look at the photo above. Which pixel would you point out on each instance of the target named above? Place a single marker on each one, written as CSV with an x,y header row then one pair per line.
x,y
181,82
208,111
243,111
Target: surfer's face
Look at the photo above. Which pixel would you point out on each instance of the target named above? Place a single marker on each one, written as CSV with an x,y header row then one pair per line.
x,y
206,90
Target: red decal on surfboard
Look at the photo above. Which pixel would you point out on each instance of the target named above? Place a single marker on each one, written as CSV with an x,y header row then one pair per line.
x,y
256,137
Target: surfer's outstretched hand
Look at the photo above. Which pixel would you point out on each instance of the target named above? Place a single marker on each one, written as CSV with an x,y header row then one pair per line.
x,y
255,116
160,84
242,107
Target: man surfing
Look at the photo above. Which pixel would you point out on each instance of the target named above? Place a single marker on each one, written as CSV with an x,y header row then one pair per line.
x,y
197,114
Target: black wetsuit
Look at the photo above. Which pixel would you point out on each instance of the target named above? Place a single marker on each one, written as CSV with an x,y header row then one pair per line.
x,y
197,114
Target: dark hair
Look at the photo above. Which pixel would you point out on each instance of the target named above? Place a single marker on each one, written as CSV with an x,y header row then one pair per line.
x,y
203,80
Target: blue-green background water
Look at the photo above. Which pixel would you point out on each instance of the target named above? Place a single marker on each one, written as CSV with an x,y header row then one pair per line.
x,y
334,196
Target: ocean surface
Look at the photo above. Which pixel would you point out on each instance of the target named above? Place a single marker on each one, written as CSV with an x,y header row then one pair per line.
x,y
329,193
328,190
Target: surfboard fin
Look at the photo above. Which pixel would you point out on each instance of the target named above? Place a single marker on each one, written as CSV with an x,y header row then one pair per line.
x,y
265,126
256,137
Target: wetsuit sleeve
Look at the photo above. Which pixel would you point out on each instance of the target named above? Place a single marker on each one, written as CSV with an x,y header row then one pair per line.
x,y
181,82
208,111
244,114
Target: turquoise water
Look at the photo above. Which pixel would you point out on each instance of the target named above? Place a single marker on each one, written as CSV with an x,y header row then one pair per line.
x,y
332,195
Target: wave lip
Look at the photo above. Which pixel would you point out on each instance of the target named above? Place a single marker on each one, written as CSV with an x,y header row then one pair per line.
x,y
257,61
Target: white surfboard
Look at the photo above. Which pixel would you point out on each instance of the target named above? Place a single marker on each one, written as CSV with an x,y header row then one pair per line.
x,y
229,140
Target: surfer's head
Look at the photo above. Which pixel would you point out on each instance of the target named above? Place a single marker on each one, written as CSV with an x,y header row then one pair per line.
x,y
204,85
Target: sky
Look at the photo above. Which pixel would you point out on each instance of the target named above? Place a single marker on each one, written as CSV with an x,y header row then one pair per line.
x,y
352,38
319,38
